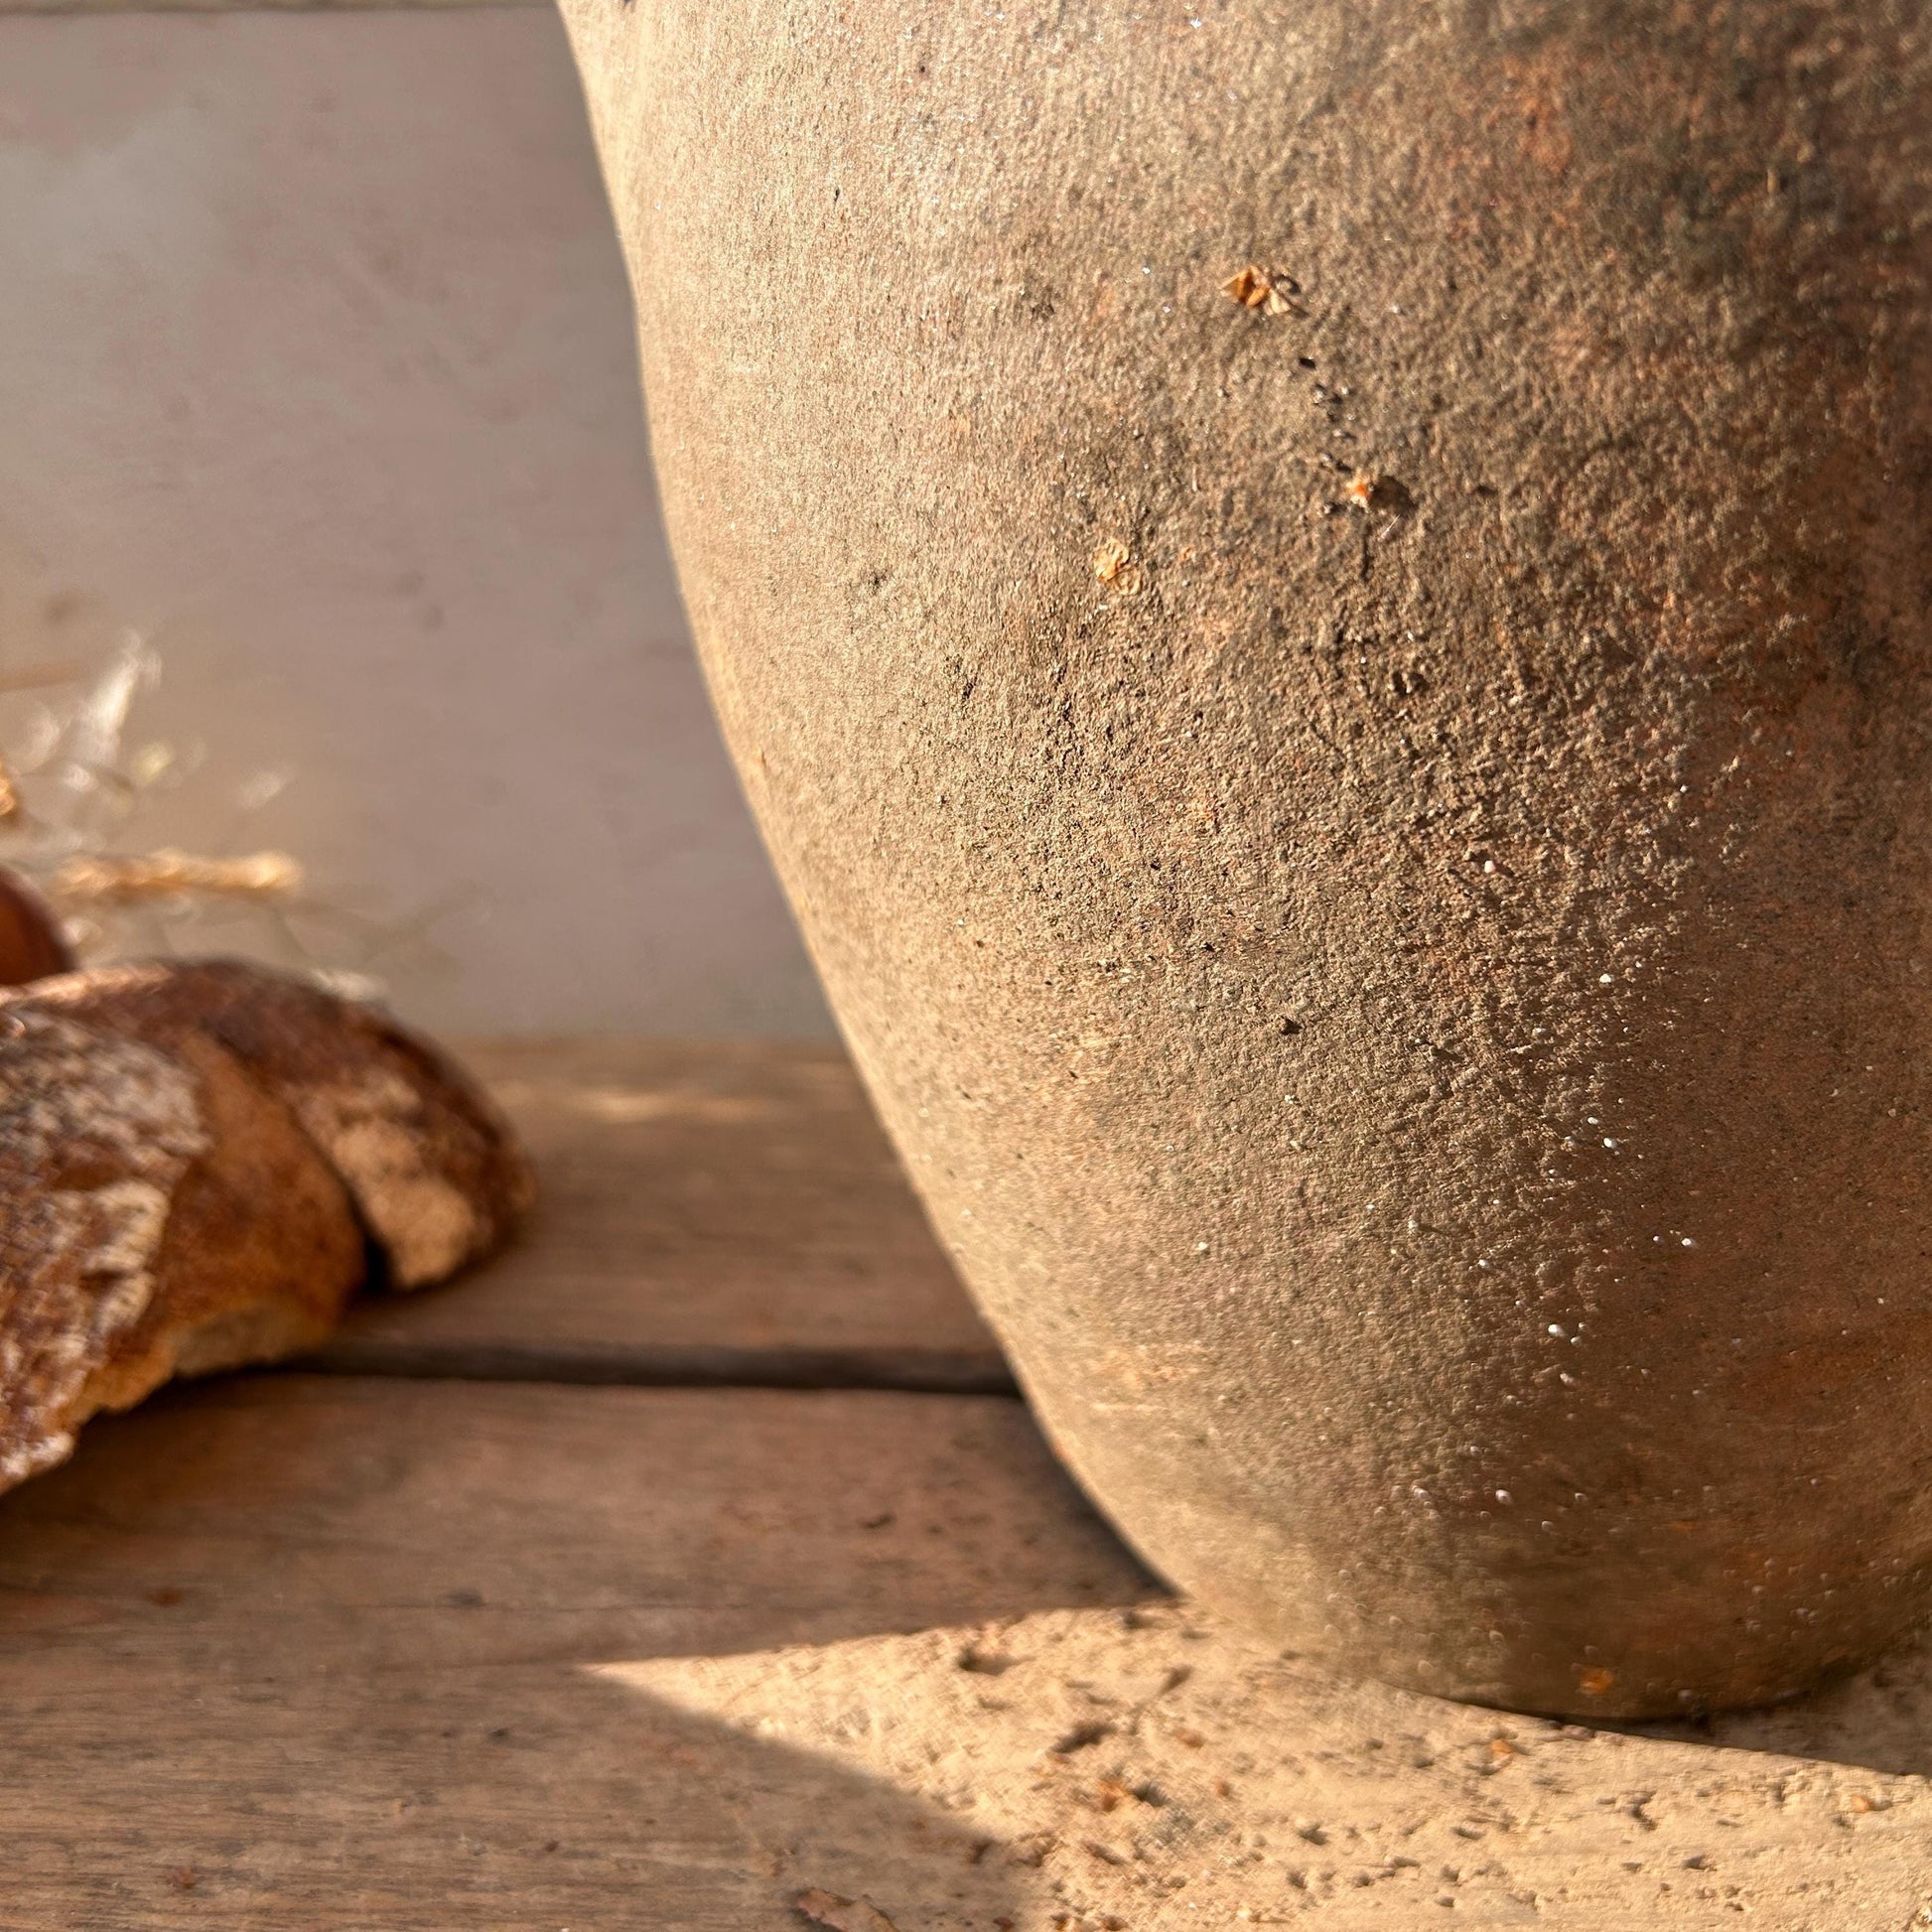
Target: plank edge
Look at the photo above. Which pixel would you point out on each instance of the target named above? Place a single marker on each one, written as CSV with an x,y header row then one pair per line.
x,y
659,1365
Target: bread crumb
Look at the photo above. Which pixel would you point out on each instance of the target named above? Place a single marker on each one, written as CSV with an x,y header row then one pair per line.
x,y
842,1914
1264,288
1114,564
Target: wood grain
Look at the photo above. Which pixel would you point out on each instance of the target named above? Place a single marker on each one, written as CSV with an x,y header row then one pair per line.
x,y
417,1652
1165,1773
717,1213
324,1652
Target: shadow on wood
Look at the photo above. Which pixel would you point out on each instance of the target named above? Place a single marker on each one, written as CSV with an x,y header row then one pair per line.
x,y
326,1647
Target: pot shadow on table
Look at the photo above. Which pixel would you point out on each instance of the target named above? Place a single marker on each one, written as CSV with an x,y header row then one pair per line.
x,y
334,1652
150,1796
328,1652
1879,1719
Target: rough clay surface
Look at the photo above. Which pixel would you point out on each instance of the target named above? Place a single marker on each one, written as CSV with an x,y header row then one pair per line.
x,y
1372,846
195,1162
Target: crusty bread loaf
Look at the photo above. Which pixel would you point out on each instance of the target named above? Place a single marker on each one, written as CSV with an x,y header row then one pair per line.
x,y
32,944
198,1164
435,1173
162,1213
258,1255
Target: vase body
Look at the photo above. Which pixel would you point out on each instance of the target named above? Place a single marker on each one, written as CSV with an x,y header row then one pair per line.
x,y
1368,822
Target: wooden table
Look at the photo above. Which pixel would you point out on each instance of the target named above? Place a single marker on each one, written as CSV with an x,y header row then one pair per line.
x,y
697,1560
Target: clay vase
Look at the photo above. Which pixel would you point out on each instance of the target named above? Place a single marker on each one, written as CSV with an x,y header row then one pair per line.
x,y
1323,604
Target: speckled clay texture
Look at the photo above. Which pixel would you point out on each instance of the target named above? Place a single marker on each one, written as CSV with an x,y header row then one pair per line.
x,y
1372,844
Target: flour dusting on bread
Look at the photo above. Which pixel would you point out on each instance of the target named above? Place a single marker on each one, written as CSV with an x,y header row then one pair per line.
x,y
95,1134
196,1161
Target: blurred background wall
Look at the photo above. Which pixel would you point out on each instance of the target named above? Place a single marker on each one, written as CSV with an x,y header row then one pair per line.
x,y
316,370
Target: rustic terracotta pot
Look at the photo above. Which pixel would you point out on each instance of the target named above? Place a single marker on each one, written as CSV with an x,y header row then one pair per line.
x,y
1325,608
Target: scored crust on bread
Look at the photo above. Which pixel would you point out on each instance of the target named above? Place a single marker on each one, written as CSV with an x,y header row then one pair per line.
x,y
160,1213
260,1253
436,1174
196,1164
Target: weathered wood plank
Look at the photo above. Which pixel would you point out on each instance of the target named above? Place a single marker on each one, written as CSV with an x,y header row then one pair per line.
x,y
472,1524
327,1653
322,1652
725,1214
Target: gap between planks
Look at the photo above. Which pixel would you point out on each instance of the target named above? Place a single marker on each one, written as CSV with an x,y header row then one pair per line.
x,y
712,1216
905,1371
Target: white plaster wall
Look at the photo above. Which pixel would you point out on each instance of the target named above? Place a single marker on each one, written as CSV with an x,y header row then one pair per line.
x,y
315,364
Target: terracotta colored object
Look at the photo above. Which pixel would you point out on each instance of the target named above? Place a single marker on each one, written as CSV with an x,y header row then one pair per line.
x,y
1324,609
32,944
